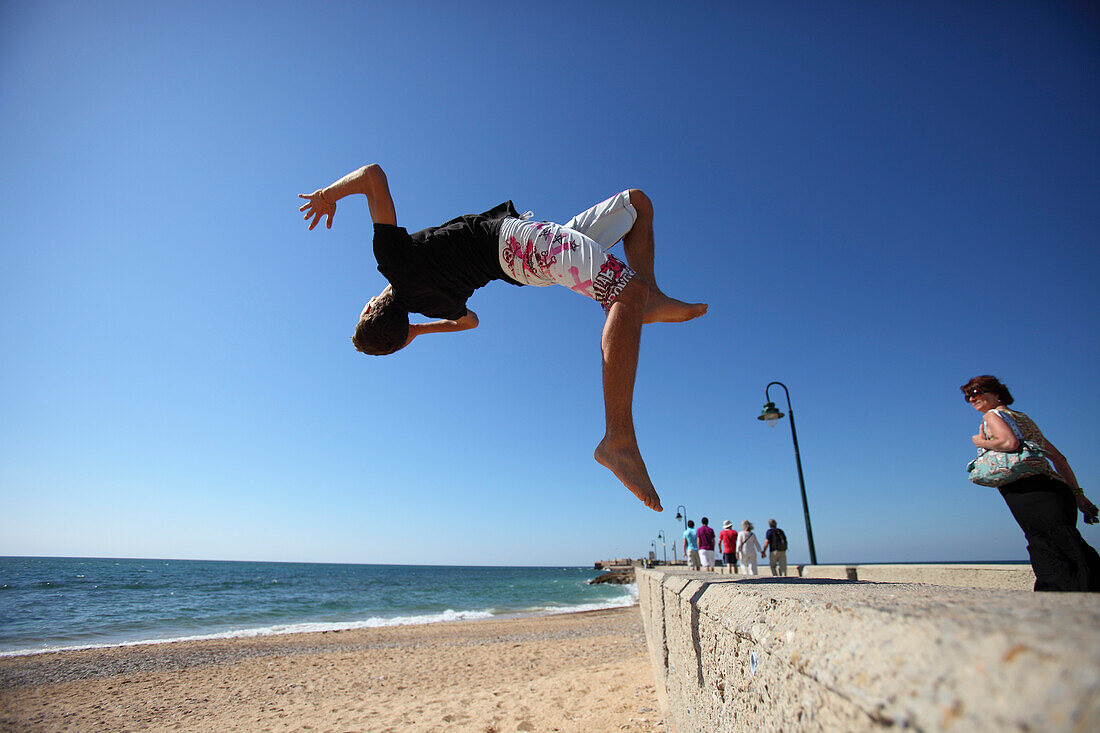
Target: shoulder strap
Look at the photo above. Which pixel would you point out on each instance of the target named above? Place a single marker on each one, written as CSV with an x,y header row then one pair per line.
x,y
1011,422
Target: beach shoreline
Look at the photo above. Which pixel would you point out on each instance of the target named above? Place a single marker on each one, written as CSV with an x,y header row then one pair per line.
x,y
579,671
325,628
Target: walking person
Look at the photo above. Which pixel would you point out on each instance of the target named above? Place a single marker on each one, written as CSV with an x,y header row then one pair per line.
x,y
705,536
691,546
747,547
727,538
434,271
1043,499
775,544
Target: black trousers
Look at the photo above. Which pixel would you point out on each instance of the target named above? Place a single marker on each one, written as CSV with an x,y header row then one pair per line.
x,y
1046,511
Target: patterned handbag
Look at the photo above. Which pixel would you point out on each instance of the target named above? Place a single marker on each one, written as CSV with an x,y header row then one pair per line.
x,y
997,468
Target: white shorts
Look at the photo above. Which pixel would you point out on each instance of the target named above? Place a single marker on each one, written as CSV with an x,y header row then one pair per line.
x,y
542,253
707,558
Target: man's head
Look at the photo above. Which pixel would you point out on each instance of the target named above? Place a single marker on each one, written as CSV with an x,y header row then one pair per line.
x,y
771,523
704,520
383,326
691,524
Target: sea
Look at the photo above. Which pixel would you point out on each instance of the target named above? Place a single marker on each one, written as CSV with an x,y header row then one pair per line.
x,y
51,604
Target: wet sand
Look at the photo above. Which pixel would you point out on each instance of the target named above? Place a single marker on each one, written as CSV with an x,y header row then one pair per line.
x,y
573,672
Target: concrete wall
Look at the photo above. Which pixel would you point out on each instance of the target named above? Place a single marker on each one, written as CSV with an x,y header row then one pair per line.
x,y
792,654
1016,576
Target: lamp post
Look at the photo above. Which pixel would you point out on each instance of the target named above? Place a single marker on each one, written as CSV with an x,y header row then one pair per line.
x,y
683,516
664,545
771,416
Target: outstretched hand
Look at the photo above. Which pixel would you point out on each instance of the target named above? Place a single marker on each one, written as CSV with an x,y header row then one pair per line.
x,y
316,207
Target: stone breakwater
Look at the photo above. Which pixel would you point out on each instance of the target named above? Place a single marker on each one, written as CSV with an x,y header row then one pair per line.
x,y
616,572
757,653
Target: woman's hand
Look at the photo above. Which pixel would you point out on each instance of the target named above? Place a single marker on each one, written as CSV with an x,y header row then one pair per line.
x,y
316,206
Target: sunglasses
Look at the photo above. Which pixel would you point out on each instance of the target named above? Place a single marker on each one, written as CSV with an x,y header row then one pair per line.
x,y
969,394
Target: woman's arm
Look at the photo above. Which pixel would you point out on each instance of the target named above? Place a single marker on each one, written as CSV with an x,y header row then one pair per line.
x,y
1061,465
1001,437
370,180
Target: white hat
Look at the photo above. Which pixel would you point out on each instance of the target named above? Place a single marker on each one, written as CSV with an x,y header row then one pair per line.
x,y
727,524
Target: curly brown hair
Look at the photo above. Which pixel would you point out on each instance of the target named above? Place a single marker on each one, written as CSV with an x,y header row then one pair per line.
x,y
988,383
383,329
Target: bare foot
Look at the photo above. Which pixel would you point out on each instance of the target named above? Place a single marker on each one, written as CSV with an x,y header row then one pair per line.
x,y
627,465
662,309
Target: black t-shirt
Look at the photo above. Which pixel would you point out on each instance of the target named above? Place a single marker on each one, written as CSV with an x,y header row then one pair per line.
x,y
435,270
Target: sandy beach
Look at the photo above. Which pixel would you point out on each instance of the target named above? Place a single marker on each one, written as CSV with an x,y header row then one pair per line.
x,y
572,672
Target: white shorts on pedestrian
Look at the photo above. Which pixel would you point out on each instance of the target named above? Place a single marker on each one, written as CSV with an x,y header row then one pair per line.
x,y
693,559
706,557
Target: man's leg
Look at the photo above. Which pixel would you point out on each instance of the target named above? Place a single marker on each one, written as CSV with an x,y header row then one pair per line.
x,y
638,245
618,451
579,263
773,559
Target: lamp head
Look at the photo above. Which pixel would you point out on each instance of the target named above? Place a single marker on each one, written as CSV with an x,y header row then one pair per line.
x,y
770,414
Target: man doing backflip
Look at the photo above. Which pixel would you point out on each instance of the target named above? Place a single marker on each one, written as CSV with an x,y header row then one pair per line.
x,y
434,271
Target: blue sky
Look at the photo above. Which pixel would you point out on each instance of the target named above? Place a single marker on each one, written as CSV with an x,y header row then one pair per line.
x,y
878,200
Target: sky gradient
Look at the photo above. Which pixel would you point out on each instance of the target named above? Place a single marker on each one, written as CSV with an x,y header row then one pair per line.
x,y
877,200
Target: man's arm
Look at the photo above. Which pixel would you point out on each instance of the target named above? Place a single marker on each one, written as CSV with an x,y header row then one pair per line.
x,y
465,323
370,180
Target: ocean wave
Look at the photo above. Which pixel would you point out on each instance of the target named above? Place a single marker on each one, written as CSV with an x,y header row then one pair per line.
x,y
628,598
275,630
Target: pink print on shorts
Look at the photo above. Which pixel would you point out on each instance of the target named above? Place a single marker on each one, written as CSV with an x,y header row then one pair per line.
x,y
543,253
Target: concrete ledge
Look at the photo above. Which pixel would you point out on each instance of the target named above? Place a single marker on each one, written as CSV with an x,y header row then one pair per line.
x,y
1017,576
758,653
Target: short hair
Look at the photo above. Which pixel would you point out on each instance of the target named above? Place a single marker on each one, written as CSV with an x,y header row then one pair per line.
x,y
746,525
989,383
383,329
690,524
771,522
703,520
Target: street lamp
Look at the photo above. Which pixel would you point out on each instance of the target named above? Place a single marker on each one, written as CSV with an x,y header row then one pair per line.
x,y
664,545
683,516
771,416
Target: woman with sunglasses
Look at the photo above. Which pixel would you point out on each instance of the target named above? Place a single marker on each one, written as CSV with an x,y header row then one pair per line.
x,y
1044,504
